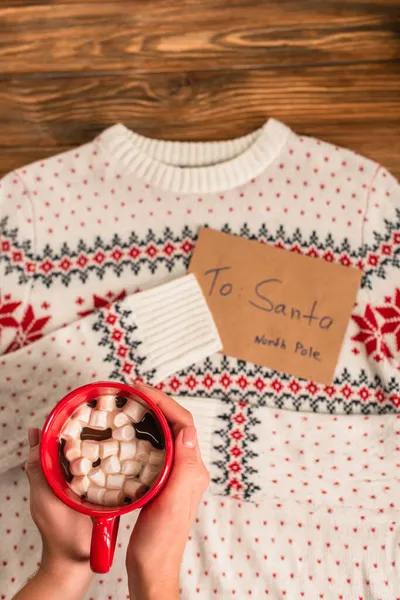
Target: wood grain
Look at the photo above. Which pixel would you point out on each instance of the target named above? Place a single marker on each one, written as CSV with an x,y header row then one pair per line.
x,y
197,104
72,37
184,69
356,107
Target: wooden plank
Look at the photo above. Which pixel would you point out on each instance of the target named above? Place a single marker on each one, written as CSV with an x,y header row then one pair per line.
x,y
12,158
43,110
356,107
155,4
174,36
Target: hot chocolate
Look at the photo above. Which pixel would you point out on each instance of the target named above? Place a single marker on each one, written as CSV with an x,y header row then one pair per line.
x,y
111,450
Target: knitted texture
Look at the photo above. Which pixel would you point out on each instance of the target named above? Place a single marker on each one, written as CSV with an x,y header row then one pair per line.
x,y
95,245
325,526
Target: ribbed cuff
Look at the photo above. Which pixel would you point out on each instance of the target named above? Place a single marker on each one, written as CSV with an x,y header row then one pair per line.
x,y
175,328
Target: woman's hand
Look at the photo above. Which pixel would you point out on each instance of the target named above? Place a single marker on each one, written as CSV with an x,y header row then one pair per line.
x,y
66,536
158,540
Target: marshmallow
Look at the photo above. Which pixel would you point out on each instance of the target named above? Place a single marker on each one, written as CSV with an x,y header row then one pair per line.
x,y
111,464
72,449
157,457
120,419
108,448
96,494
98,477
133,488
90,449
113,498
72,429
80,485
83,413
124,433
81,466
115,482
149,474
127,450
98,419
143,450
134,410
131,467
110,419
106,403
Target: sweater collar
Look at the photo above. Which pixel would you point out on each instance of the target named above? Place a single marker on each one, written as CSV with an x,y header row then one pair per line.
x,y
196,167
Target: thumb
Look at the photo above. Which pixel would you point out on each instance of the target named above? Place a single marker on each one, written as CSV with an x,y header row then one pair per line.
x,y
186,450
33,467
188,465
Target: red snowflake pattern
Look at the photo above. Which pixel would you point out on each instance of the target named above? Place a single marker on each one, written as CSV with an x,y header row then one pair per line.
x,y
371,335
28,330
391,314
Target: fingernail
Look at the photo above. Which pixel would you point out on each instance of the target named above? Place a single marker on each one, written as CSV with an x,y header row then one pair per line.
x,y
189,437
33,436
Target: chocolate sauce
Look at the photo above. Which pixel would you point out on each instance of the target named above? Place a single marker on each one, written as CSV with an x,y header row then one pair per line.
x,y
142,491
99,435
149,429
92,403
96,463
64,463
120,401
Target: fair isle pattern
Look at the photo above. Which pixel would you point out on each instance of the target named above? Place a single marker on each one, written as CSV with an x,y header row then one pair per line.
x,y
372,335
171,250
225,377
117,330
377,326
244,388
236,442
27,329
114,255
220,376
80,228
383,253
391,315
17,255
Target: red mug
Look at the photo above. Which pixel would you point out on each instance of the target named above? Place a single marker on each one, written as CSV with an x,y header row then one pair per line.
x,y
105,519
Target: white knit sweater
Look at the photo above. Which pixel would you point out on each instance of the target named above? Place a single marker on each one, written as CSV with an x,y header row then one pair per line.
x,y
95,246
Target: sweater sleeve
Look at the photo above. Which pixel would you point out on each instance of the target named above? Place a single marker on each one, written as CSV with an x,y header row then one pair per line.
x,y
148,335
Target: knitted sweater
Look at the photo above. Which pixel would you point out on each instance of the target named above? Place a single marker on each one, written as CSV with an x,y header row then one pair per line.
x,y
95,247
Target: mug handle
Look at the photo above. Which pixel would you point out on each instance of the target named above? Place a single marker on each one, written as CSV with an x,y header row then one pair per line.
x,y
104,537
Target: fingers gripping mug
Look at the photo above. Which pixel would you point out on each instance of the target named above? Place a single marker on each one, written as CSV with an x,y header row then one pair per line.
x,y
86,424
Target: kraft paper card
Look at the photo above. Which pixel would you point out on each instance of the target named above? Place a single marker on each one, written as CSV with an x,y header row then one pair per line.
x,y
273,307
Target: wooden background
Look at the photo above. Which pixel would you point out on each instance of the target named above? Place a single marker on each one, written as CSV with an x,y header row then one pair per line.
x,y
198,69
